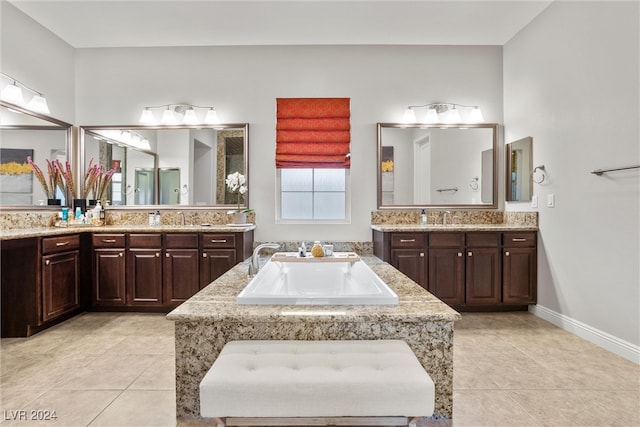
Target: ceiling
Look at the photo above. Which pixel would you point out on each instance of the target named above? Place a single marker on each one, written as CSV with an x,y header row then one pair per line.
x,y
118,23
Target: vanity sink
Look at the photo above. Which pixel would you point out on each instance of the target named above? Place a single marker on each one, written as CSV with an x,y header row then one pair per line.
x,y
314,282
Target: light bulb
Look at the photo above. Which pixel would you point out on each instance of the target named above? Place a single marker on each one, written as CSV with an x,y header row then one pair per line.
x,y
12,93
476,116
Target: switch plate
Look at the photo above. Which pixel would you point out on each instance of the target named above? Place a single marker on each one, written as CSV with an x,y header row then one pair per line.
x,y
551,201
534,201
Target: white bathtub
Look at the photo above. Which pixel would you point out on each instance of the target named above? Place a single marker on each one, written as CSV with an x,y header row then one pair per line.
x,y
317,283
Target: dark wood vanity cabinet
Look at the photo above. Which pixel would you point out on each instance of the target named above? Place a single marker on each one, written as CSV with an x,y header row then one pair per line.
x,y
109,269
519,268
60,266
144,270
467,270
181,268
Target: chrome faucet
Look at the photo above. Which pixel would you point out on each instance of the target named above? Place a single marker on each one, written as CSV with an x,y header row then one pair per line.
x,y
254,266
444,217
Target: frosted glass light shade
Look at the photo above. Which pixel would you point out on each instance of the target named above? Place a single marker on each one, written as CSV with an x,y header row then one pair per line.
x,y
190,117
168,118
453,116
39,103
476,116
212,117
409,116
432,116
147,117
13,94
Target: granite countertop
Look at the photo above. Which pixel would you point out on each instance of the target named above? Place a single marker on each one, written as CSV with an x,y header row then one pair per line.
x,y
452,227
218,301
60,231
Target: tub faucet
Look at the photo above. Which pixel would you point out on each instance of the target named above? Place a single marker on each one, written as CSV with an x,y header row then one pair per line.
x,y
444,217
254,266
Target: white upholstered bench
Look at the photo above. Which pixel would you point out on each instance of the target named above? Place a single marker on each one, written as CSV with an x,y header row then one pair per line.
x,y
316,382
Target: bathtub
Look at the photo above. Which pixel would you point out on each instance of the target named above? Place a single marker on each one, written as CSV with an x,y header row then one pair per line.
x,y
317,283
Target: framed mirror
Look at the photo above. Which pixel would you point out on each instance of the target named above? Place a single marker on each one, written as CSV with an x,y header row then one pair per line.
x,y
519,167
25,133
437,166
169,165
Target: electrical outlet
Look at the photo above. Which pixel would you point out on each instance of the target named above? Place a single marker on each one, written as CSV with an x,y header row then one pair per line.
x,y
534,201
551,201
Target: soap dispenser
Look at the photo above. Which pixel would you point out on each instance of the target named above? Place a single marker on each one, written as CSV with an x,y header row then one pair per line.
x,y
423,217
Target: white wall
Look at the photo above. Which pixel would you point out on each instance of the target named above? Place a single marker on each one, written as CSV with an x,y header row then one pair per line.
x,y
39,59
571,82
243,83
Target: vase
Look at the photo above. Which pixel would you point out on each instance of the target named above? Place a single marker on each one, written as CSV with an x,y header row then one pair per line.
x,y
80,203
240,218
53,202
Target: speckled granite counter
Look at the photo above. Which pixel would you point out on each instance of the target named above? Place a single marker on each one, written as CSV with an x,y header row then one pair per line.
x,y
60,231
211,318
453,227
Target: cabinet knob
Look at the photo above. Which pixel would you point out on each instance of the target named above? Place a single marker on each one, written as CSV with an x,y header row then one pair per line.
x,y
470,253
421,254
47,262
459,253
120,254
204,255
506,253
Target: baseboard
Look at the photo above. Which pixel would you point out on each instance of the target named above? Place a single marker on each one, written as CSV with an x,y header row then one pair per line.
x,y
607,341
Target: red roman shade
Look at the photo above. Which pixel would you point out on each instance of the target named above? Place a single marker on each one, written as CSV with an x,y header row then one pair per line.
x,y
313,133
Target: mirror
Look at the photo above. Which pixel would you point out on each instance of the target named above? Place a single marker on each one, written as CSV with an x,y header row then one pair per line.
x,y
519,157
24,133
437,166
169,165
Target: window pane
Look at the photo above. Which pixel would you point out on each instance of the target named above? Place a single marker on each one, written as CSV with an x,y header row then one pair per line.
x,y
296,205
329,205
329,179
296,179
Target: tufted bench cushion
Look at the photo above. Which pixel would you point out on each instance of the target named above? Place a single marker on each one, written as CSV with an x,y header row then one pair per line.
x,y
316,379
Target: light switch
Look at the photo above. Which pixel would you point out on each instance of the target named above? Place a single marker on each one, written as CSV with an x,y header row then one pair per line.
x,y
551,201
534,201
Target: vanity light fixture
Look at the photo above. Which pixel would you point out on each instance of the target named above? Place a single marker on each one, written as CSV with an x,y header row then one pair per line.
x,y
445,113
13,93
175,114
126,138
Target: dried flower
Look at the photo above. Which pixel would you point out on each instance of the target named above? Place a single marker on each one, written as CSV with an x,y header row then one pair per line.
x,y
55,179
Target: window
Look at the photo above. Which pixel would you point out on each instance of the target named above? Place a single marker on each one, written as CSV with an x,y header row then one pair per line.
x,y
313,195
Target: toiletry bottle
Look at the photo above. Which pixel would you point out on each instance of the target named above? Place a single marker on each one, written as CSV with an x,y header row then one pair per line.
x,y
158,218
302,250
152,218
65,217
78,213
423,217
102,213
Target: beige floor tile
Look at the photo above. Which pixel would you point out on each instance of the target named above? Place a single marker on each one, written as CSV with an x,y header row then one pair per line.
x,y
479,408
44,372
140,408
144,345
12,400
64,408
160,375
108,372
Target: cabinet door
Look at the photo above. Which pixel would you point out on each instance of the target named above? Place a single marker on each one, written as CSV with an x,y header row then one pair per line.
x,y
519,276
181,275
60,279
144,284
483,276
411,262
109,277
214,263
446,274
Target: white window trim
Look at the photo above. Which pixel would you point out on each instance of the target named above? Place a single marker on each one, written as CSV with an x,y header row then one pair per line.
x,y
347,205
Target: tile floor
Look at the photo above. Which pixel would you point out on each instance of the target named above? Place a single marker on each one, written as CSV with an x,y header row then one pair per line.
x,y
510,369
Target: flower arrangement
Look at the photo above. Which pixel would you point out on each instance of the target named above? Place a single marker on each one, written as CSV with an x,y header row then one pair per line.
x,y
55,176
97,180
236,183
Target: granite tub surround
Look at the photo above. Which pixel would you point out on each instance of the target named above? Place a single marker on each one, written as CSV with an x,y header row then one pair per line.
x,y
409,220
211,318
361,248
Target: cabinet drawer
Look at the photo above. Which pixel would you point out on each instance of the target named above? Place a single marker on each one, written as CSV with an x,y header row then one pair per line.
x,y
446,240
108,240
145,240
52,245
179,241
211,240
523,240
407,240
483,240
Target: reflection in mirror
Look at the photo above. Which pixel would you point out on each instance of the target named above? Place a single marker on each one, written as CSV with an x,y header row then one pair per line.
x,y
437,165
519,157
175,165
27,134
